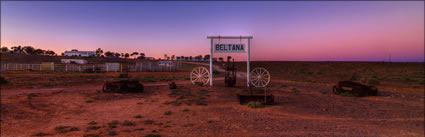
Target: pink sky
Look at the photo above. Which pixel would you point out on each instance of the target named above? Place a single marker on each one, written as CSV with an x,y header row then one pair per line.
x,y
294,31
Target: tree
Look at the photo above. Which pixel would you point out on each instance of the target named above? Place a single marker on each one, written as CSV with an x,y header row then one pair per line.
x,y
165,56
49,52
4,49
109,54
99,52
206,57
126,55
220,59
39,52
173,56
134,54
17,49
142,55
117,55
28,49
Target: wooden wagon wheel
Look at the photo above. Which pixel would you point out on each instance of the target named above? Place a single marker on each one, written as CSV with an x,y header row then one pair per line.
x,y
260,77
200,75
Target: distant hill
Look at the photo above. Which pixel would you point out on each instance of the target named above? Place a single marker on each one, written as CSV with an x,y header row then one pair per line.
x,y
36,59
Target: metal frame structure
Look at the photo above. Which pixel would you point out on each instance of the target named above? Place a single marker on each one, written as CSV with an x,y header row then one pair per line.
x,y
230,37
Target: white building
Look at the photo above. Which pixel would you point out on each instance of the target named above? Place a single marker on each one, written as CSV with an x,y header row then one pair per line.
x,y
75,52
74,61
165,63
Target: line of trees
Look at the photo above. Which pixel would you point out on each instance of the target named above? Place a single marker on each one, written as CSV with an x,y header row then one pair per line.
x,y
29,50
110,54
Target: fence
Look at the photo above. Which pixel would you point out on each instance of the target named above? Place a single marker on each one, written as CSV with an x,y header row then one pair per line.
x,y
107,67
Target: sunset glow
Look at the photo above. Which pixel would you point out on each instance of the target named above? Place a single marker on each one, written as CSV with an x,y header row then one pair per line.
x,y
293,31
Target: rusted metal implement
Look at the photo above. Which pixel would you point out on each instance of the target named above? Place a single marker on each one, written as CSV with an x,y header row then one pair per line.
x,y
354,88
260,78
264,99
123,86
230,73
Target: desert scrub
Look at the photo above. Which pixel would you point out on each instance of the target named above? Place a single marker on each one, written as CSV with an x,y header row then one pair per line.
x,y
186,110
168,113
91,135
255,104
93,127
324,91
40,134
127,123
295,90
112,132
346,94
374,82
89,101
148,121
30,95
92,123
64,129
148,79
166,78
152,135
3,81
138,116
113,124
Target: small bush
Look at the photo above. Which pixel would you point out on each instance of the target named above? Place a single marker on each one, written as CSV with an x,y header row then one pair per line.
x,y
138,116
140,103
346,94
93,127
148,79
374,82
40,134
128,123
295,90
168,113
113,124
89,101
91,135
92,123
139,129
64,129
112,132
126,130
255,104
30,95
324,91
186,110
152,135
148,121
3,81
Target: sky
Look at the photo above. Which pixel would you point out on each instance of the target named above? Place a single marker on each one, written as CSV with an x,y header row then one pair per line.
x,y
281,30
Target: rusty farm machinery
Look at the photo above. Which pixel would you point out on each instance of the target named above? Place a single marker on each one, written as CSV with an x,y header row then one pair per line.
x,y
124,84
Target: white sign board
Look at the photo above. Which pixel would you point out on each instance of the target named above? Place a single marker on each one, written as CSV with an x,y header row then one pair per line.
x,y
229,48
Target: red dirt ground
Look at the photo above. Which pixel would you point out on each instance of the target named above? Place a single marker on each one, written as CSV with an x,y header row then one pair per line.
x,y
309,112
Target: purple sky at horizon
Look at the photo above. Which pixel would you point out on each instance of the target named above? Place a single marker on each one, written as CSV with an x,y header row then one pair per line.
x,y
282,30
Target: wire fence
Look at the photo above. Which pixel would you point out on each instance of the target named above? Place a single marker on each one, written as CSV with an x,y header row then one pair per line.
x,y
107,67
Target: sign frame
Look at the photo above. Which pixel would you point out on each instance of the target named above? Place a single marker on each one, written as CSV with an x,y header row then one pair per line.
x,y
248,80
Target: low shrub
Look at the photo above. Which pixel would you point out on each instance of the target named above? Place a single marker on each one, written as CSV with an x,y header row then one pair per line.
x,y
152,135
3,81
346,94
168,113
255,104
127,123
